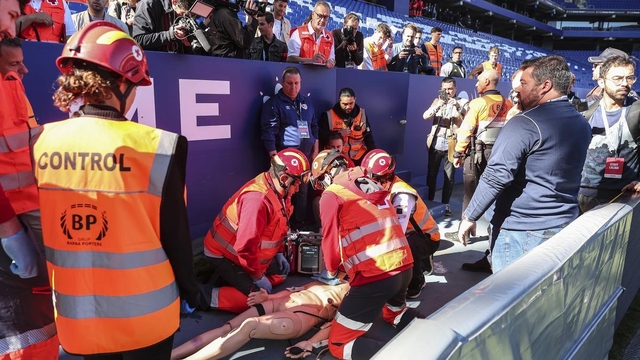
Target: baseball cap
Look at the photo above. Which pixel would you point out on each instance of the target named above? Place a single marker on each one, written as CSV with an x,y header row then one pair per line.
x,y
606,54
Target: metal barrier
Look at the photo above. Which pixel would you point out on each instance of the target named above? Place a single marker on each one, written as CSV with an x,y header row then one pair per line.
x,y
562,300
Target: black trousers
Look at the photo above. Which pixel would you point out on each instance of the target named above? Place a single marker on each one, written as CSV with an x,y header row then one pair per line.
x,y
159,351
471,175
421,248
435,159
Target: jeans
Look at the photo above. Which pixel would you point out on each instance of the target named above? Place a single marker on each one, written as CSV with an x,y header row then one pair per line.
x,y
435,158
512,244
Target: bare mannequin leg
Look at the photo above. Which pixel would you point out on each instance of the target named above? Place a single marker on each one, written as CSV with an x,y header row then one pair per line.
x,y
281,325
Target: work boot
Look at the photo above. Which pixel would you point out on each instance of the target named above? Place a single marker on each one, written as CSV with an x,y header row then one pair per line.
x,y
481,265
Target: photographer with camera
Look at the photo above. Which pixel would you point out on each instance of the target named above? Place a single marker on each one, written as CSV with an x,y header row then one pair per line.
x,y
311,43
447,112
229,38
407,57
350,120
349,43
155,27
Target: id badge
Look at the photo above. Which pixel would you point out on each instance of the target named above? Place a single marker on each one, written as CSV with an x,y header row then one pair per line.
x,y
613,168
350,65
303,129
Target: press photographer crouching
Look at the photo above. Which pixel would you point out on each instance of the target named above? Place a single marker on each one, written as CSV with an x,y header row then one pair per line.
x,y
155,27
349,43
228,37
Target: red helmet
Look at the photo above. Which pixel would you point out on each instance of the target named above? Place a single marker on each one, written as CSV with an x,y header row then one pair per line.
x,y
291,162
325,166
378,163
106,45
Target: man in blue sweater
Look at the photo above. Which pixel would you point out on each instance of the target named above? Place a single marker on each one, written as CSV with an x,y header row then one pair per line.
x,y
533,176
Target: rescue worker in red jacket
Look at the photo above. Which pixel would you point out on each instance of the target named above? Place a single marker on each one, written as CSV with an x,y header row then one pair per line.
x,y
419,226
115,225
311,43
29,334
361,233
248,233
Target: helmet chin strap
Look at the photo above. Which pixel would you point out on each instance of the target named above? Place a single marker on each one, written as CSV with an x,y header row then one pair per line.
x,y
121,96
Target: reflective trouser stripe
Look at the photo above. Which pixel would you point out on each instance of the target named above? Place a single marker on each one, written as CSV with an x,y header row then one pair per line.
x,y
228,298
393,314
105,260
343,334
103,306
26,339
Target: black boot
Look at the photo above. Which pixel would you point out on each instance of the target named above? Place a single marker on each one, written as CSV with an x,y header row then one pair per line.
x,y
481,265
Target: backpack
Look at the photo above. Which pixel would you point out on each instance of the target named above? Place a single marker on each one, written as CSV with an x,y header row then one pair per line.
x,y
633,118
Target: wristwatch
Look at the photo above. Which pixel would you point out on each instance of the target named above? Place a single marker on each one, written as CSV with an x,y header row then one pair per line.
x,y
457,155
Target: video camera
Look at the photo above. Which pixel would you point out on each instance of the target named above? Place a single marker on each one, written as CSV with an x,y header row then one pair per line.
x,y
195,32
442,94
349,35
236,5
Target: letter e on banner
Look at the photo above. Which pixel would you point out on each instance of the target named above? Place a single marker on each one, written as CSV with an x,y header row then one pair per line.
x,y
190,109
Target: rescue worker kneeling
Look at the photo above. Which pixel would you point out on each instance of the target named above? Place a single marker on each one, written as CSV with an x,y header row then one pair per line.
x,y
362,233
249,231
419,226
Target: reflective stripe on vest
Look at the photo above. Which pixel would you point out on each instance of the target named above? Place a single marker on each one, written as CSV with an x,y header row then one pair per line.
x,y
378,59
435,56
308,45
372,241
16,171
221,237
101,182
354,144
26,339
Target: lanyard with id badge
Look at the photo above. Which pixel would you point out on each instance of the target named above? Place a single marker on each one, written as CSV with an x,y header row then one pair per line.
x,y
303,127
614,165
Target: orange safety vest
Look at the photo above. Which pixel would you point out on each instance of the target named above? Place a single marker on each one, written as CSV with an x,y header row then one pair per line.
x,y
378,60
484,112
353,145
487,66
435,56
221,238
308,46
16,172
421,214
371,238
41,32
101,185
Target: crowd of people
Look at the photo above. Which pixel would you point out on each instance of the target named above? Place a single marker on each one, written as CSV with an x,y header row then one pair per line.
x,y
98,223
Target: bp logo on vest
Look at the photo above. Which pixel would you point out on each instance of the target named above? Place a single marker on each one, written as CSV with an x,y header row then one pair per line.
x,y
84,224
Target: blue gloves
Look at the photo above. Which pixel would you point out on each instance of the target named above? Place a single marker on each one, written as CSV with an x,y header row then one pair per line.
x,y
264,283
324,277
23,252
283,264
185,308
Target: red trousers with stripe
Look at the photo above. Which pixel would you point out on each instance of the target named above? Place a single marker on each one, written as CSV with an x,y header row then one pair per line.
x,y
362,305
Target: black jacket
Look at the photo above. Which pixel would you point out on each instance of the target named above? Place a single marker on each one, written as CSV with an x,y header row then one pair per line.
x,y
151,27
228,37
276,51
342,53
417,65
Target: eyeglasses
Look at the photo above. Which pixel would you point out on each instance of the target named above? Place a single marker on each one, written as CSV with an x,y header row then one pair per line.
x,y
458,52
322,17
631,79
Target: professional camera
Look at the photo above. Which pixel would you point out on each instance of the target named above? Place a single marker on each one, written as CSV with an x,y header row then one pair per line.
x,y
442,94
236,5
349,35
411,50
195,34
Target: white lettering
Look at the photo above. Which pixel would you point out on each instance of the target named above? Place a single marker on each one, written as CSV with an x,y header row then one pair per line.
x,y
190,109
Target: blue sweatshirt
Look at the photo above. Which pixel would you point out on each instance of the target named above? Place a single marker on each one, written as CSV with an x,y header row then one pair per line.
x,y
534,171
279,122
